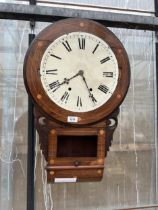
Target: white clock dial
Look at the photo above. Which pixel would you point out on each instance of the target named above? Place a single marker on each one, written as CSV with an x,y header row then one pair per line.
x,y
79,72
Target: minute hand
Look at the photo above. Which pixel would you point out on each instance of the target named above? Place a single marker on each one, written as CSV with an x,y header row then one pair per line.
x,y
90,94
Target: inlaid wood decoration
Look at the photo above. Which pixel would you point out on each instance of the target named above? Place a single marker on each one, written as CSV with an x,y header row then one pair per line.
x,y
77,74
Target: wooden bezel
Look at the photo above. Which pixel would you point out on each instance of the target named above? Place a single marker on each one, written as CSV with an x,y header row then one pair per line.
x,y
32,70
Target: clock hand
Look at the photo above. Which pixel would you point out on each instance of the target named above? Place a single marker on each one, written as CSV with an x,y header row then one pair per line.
x,y
79,73
84,79
67,80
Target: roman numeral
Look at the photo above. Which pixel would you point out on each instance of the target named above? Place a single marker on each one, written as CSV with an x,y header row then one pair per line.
x,y
67,46
79,101
95,48
55,56
108,74
65,97
103,88
104,60
81,42
53,71
54,85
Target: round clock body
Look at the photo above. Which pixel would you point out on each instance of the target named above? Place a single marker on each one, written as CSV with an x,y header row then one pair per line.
x,y
77,71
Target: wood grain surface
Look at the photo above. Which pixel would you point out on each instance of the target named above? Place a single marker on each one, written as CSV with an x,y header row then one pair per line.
x,y
32,70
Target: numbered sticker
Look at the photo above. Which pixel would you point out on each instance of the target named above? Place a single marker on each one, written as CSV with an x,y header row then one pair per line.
x,y
64,180
72,119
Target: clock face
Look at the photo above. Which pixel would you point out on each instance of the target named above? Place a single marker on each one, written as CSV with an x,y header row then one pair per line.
x,y
79,72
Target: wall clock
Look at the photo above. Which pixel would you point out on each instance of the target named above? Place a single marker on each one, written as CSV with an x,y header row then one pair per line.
x,y
77,73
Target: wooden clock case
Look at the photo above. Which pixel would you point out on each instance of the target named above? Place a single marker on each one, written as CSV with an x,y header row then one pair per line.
x,y
74,150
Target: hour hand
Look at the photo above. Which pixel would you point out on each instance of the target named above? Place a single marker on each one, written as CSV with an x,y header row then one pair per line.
x,y
55,85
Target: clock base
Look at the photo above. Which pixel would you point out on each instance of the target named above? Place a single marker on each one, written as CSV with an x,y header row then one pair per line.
x,y
74,154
